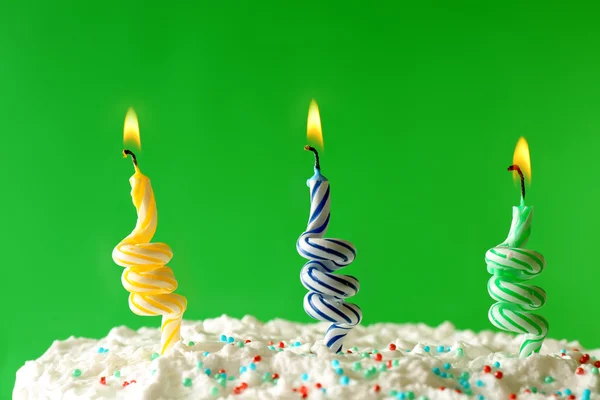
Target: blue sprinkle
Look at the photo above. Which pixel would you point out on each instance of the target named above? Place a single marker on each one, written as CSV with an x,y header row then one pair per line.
x,y
297,344
586,394
466,385
440,349
426,348
230,339
567,392
444,375
448,348
335,363
401,396
271,347
479,383
447,366
563,351
243,369
408,350
436,371
496,364
207,371
304,377
558,393
101,350
344,380
205,353
252,366
339,371
223,338
480,397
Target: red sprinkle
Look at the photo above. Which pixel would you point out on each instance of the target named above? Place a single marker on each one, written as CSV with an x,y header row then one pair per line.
x,y
103,380
248,341
303,389
583,360
571,397
257,358
392,347
270,342
125,383
318,385
376,388
244,385
349,351
281,345
221,371
442,388
487,369
458,391
579,371
498,374
389,363
132,381
512,396
237,390
378,357
597,364
527,390
275,376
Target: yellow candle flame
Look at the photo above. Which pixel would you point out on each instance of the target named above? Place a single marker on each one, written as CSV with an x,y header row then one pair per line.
x,y
131,131
522,159
314,133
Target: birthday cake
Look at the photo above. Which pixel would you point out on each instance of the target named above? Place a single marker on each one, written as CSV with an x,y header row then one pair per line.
x,y
230,358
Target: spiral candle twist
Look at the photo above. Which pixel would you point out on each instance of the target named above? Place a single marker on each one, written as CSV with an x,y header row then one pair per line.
x,y
511,265
147,277
327,291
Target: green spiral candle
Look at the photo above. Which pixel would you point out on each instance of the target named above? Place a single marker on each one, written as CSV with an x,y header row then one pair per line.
x,y
511,266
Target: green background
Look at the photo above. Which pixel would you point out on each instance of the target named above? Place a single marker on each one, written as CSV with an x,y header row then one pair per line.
x,y
421,106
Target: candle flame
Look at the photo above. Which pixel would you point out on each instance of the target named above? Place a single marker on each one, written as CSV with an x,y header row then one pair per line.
x,y
131,130
314,133
521,158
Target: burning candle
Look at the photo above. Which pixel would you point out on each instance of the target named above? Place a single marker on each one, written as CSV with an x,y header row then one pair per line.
x,y
146,277
511,265
327,291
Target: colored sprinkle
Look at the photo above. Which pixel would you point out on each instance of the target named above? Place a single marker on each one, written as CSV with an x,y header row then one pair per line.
x,y
423,398
243,369
231,378
200,364
356,366
460,352
392,347
533,389
101,350
579,371
378,357
339,371
271,347
252,366
393,393
567,392
410,395
443,374
117,374
297,344
155,356
205,353
487,369
103,380
465,375
401,396
436,370
76,373
382,367
426,349
594,370
230,339
335,363
190,343
304,377
240,344
365,355
207,371
257,358
548,379
214,391
223,338
395,363
376,388
496,364
447,366
375,351
187,382
440,349
281,345
479,383
344,380
498,374
480,397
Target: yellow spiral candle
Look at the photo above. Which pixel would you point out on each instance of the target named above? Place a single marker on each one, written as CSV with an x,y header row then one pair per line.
x,y
147,278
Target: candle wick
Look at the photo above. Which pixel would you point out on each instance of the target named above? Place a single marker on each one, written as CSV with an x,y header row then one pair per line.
x,y
127,152
515,167
317,163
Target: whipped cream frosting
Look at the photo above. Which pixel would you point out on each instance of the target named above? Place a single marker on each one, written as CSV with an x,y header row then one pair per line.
x,y
230,358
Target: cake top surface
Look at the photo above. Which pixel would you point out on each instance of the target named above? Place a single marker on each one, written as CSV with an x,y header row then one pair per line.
x,y
231,358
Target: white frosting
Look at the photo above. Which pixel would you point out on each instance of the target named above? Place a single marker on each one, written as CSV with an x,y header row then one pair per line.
x,y
130,352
